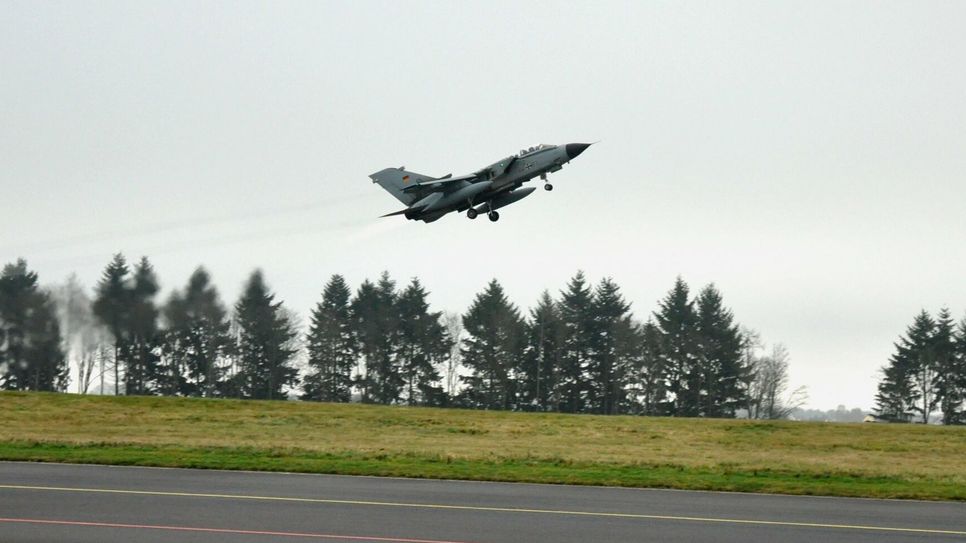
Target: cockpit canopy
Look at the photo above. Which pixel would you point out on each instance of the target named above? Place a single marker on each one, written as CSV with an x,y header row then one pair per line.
x,y
530,151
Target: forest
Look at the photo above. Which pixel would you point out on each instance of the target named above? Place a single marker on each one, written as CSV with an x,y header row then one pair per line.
x,y
579,351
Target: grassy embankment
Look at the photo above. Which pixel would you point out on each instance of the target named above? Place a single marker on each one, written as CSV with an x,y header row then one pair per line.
x,y
873,460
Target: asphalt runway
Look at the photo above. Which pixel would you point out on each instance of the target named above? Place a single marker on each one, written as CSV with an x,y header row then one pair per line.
x,y
79,503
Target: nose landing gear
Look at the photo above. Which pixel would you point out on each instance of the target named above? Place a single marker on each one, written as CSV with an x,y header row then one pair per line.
x,y
471,213
546,186
494,216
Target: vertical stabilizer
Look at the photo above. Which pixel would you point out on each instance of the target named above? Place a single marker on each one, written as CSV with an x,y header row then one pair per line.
x,y
396,180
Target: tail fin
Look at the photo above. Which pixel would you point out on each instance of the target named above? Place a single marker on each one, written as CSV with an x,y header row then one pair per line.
x,y
394,180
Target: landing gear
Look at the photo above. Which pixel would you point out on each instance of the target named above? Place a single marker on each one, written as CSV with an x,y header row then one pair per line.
x,y
546,185
471,213
494,216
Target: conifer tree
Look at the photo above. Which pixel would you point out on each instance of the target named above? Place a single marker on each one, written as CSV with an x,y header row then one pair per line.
x,y
375,320
541,362
17,285
423,344
47,368
895,395
944,352
386,376
493,349
264,332
906,385
922,359
577,315
946,378
648,379
331,346
677,320
112,307
196,340
144,364
957,387
720,356
367,331
31,356
612,344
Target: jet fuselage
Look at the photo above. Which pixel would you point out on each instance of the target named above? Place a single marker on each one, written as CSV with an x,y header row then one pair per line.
x,y
486,190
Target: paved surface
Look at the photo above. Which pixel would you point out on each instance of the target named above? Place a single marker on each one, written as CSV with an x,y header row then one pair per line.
x,y
57,502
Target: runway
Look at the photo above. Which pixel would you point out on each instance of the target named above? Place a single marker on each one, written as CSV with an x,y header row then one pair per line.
x,y
79,503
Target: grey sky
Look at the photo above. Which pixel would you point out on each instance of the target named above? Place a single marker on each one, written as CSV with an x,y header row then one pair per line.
x,y
806,157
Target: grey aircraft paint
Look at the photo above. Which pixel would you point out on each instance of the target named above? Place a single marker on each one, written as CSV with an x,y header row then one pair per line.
x,y
484,191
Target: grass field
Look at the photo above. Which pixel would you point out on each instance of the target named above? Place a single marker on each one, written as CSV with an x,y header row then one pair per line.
x,y
872,460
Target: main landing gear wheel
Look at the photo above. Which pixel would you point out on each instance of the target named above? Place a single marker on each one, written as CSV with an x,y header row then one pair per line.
x,y
493,215
471,213
548,186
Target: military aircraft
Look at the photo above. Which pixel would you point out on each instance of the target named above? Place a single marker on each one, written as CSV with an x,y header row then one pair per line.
x,y
484,191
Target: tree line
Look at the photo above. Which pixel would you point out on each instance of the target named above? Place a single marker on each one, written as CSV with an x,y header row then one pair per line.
x,y
581,351
926,373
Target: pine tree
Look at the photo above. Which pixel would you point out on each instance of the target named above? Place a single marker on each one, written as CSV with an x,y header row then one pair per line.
x,y
31,356
895,395
423,344
720,356
385,373
112,308
17,285
264,332
493,351
648,379
375,321
367,332
957,388
677,321
922,360
331,346
944,356
144,366
611,349
577,314
907,384
197,338
538,373
47,368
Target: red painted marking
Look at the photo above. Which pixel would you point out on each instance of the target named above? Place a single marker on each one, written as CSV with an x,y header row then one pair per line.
x,y
220,530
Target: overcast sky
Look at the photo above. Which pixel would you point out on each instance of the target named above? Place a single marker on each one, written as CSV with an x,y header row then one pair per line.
x,y
807,157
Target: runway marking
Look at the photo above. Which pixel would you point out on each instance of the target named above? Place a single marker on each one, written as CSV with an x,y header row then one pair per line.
x,y
601,514
221,530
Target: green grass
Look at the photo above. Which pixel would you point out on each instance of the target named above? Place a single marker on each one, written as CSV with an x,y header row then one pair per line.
x,y
870,460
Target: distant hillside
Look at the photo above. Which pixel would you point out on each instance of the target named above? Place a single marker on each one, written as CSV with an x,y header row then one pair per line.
x,y
839,414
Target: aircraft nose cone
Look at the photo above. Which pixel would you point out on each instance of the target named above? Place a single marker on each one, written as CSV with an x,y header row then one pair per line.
x,y
574,149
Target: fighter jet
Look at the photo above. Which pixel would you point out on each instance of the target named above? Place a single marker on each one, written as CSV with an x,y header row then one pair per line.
x,y
483,191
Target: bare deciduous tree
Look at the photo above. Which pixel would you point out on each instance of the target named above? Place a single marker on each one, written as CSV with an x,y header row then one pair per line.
x,y
454,327
83,337
768,391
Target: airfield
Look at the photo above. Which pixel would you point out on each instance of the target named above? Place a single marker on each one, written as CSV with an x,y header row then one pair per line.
x,y
82,503
259,498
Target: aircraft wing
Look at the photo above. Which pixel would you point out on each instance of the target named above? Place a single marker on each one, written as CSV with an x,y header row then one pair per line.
x,y
497,168
442,182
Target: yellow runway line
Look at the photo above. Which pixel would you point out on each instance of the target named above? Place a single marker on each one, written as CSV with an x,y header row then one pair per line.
x,y
489,509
